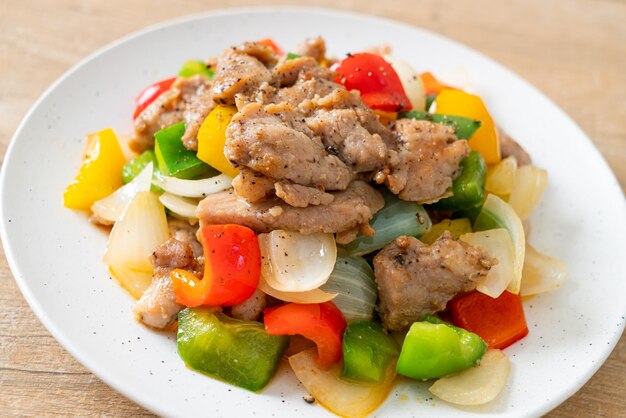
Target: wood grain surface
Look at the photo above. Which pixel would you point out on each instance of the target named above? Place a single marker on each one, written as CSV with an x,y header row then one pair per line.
x,y
572,50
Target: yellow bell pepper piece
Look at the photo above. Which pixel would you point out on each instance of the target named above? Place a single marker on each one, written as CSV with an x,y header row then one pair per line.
x,y
101,172
459,103
212,138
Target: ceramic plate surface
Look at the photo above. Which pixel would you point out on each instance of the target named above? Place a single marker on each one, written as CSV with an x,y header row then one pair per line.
x,y
55,254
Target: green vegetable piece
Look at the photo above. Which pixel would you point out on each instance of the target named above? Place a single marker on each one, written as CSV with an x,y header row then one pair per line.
x,y
430,99
367,352
469,188
174,159
398,217
238,352
433,348
192,67
291,55
457,227
464,128
132,168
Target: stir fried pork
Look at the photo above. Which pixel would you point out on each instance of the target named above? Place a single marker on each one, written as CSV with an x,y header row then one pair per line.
x,y
509,147
415,279
349,210
425,161
251,308
157,307
314,48
169,108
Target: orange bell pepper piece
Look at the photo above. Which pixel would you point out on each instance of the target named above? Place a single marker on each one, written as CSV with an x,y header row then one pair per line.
x,y
270,43
460,103
431,84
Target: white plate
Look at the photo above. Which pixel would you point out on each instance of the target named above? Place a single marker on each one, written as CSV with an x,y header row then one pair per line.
x,y
55,254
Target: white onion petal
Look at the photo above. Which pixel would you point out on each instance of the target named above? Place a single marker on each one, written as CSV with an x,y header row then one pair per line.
x,y
111,207
477,385
498,244
501,177
530,184
411,82
344,398
181,206
353,281
297,262
193,188
142,228
541,273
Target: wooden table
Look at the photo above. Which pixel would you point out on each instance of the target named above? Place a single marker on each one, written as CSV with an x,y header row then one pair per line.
x,y
572,50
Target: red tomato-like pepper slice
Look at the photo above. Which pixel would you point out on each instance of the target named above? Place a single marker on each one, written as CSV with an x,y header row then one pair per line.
x,y
232,268
150,93
270,42
376,79
500,322
323,323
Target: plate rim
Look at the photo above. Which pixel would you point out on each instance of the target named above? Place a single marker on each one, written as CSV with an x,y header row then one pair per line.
x,y
129,391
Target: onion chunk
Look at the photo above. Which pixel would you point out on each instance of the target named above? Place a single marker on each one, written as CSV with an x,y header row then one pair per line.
x,y
477,385
541,273
193,188
497,242
297,262
142,228
340,396
111,207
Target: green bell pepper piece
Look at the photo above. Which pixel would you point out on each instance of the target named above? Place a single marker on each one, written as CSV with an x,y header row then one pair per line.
x,y
430,99
367,352
469,188
464,128
238,352
291,55
433,348
132,168
192,67
174,159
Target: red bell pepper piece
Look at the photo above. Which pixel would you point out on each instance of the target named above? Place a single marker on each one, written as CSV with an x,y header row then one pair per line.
x,y
232,268
150,93
270,42
500,322
323,323
432,86
376,79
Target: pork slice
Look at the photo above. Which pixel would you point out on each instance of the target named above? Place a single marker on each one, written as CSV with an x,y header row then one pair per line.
x,y
426,160
303,92
240,70
196,110
343,135
157,307
251,308
184,232
253,186
169,108
301,196
314,48
509,147
287,71
273,140
162,112
349,209
415,279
